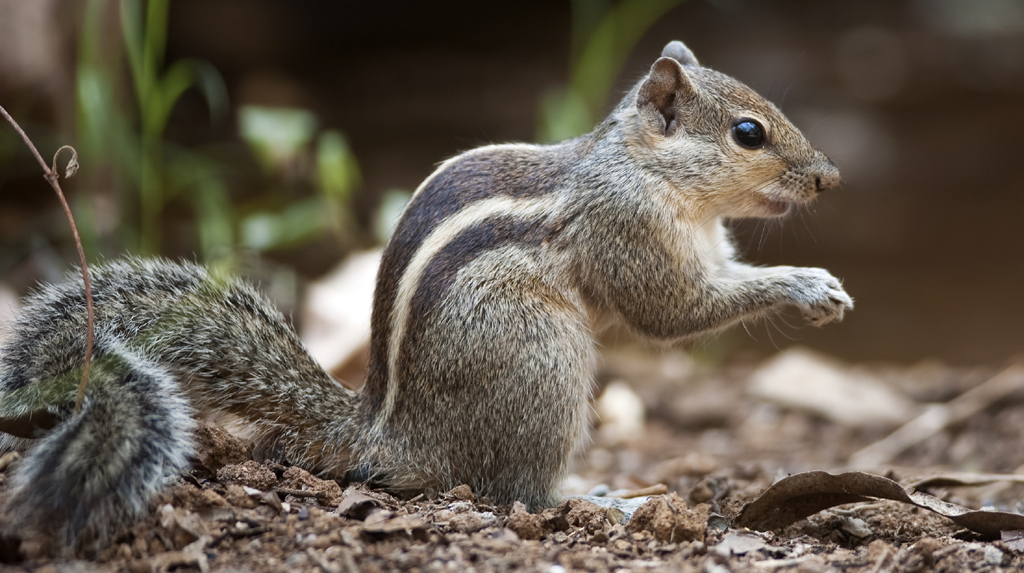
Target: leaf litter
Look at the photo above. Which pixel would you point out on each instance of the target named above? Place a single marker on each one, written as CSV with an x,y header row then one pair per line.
x,y
737,488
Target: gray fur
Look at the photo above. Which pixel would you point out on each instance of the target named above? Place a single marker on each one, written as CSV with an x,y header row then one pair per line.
x,y
97,472
680,53
481,355
171,340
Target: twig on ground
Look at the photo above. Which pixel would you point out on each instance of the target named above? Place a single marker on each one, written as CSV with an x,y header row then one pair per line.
x,y
50,174
657,489
938,417
323,498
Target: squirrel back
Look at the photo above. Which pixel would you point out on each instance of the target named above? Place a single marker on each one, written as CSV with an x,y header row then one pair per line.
x,y
505,262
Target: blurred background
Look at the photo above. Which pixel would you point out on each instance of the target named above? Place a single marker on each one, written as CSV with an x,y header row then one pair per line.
x,y
280,137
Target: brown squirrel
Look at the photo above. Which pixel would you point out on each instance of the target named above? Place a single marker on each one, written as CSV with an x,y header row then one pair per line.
x,y
504,263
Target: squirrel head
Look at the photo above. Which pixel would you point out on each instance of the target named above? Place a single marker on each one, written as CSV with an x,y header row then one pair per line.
x,y
726,149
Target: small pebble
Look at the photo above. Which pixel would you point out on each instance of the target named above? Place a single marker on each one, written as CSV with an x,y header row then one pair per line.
x,y
460,506
856,527
994,555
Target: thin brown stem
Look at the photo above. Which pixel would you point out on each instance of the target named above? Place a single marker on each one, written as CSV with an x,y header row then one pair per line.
x,y
51,176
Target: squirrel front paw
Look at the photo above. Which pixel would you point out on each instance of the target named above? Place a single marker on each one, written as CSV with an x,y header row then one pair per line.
x,y
819,296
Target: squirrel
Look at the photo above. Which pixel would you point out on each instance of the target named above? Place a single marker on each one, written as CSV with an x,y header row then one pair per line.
x,y
505,263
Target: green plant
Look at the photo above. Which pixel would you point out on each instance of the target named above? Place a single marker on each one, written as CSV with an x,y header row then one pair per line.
x,y
131,168
157,91
603,36
134,171
284,140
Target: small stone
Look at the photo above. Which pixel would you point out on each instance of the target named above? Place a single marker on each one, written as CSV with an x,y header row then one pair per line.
x,y
994,555
525,524
589,516
249,473
443,516
718,522
856,527
140,548
216,448
614,515
463,492
236,496
327,492
693,464
701,493
472,521
621,413
739,543
669,519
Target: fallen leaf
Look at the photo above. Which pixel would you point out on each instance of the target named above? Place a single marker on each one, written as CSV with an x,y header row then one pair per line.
x,y
356,504
965,480
798,496
1013,540
739,543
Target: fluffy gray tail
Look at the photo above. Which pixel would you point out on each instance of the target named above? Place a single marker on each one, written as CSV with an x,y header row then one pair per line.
x,y
171,339
97,471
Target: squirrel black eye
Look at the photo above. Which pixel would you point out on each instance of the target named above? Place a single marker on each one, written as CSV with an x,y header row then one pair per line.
x,y
748,133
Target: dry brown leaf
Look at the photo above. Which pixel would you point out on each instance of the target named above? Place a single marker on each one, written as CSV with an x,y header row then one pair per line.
x,y
958,479
800,495
356,504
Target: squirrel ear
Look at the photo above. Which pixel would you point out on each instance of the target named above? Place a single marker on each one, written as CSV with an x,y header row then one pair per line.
x,y
665,86
680,53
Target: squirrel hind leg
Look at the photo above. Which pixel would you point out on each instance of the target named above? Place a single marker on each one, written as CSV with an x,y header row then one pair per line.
x,y
97,473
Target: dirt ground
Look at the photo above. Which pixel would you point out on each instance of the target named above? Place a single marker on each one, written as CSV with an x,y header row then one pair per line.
x,y
696,432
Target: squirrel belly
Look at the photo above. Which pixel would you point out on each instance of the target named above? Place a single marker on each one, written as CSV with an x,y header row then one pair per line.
x,y
481,352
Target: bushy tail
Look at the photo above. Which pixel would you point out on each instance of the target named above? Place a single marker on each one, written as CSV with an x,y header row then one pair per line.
x,y
97,472
171,339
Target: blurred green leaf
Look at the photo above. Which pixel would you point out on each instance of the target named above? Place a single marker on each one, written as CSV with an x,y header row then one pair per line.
x,y
336,166
564,114
131,28
276,135
298,222
213,210
201,178
136,172
602,49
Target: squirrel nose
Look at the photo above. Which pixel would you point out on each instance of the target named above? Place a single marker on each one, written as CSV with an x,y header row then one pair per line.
x,y
828,177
